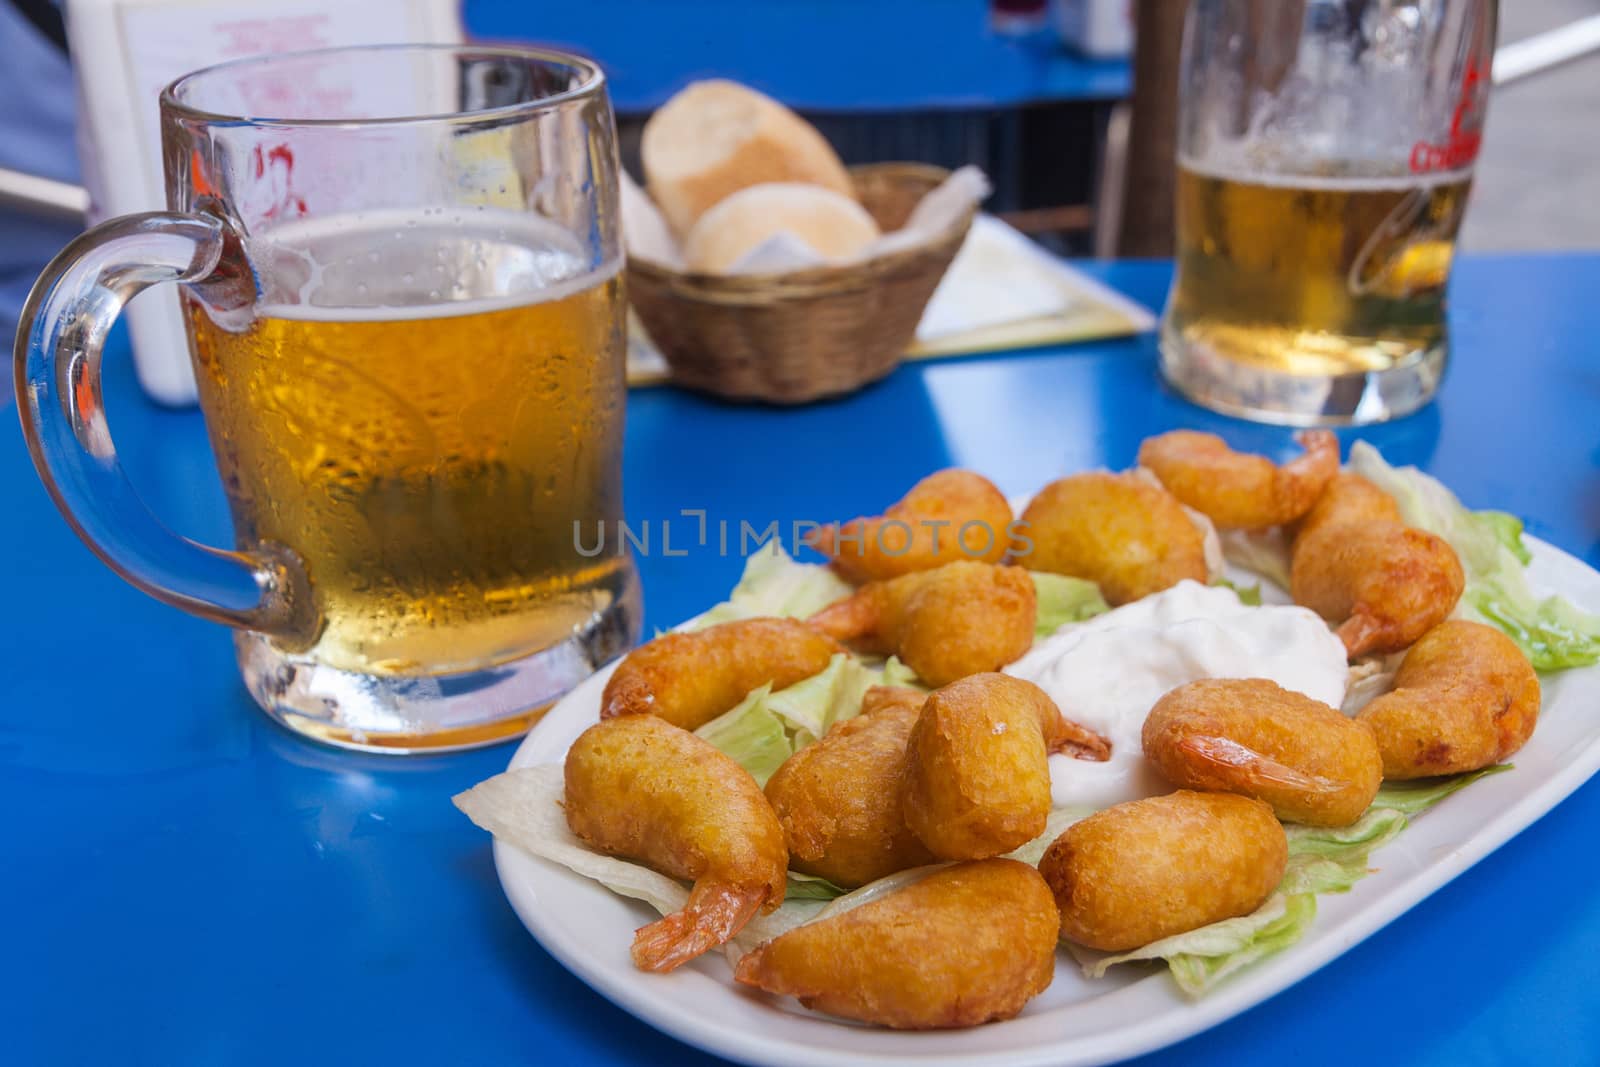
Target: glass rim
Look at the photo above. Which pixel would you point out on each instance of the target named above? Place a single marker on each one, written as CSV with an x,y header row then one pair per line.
x,y
591,84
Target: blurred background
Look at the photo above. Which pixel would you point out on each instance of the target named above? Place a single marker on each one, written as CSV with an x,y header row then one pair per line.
x,y
1035,93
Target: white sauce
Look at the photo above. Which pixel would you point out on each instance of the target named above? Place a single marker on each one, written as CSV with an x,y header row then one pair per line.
x,y
1108,672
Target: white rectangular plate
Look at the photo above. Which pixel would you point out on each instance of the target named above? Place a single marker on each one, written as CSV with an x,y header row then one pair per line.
x,y
1076,1022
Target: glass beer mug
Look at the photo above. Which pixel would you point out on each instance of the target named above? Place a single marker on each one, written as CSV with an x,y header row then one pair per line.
x,y
404,307
1325,152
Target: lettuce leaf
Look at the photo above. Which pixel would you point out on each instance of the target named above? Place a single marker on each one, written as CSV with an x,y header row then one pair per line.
x,y
753,734
1554,633
810,887
1249,595
809,707
774,583
1409,798
1321,860
1201,958
1264,553
768,727
897,674
1063,600
523,807
1331,860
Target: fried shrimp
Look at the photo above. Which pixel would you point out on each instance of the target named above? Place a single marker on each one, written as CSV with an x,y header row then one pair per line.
x,y
1465,697
1384,583
946,623
1349,498
1149,869
1128,536
641,788
977,779
690,678
949,515
1253,737
1237,490
964,945
838,799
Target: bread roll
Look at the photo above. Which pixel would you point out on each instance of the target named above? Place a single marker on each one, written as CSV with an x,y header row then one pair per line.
x,y
716,137
834,226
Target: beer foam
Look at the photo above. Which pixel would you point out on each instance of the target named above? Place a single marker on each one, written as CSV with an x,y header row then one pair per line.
x,y
441,310
1400,181
434,263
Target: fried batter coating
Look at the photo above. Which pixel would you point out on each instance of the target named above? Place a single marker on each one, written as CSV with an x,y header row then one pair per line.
x,y
1465,697
1253,737
1349,498
641,788
964,945
690,678
1120,531
838,799
1149,869
1384,583
945,623
1237,490
977,780
949,515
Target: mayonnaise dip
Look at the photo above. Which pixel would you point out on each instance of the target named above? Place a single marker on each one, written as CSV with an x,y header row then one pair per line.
x,y
1108,672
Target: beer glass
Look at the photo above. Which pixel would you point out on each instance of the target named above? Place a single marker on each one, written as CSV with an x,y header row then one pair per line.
x,y
1325,152
405,315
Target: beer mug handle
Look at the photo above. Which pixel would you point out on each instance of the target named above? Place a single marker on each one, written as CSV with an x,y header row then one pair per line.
x,y
58,354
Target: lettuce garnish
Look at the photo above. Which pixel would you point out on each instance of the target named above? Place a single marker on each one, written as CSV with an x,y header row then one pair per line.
x,y
1552,632
768,726
1063,600
775,584
1249,595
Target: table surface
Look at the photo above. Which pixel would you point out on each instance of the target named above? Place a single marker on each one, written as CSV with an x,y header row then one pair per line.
x,y
184,882
816,55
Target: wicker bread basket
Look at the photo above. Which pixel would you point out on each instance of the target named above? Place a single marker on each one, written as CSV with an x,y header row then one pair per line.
x,y
790,338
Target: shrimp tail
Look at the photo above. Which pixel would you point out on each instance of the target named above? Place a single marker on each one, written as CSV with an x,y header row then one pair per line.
x,y
855,617
715,912
845,544
1076,740
1361,633
1244,768
825,539
1321,447
628,693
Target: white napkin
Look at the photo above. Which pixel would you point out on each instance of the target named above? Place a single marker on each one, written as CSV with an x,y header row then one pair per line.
x,y
999,276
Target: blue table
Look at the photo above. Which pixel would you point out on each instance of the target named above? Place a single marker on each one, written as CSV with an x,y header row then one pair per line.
x,y
184,882
814,55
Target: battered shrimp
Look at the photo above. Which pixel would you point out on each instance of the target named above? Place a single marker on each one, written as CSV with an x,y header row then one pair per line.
x,y
1238,490
690,678
1465,697
1250,736
838,799
977,780
964,945
1149,869
945,623
949,515
1128,536
1349,498
1385,583
641,788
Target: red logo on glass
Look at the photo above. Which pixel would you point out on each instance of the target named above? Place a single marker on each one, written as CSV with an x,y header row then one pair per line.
x,y
1466,129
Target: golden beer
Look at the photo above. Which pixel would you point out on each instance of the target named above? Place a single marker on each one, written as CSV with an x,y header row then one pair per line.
x,y
426,455
1312,276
